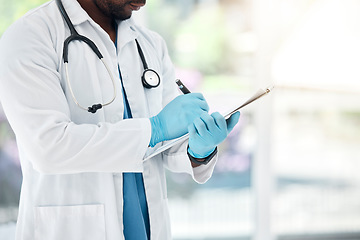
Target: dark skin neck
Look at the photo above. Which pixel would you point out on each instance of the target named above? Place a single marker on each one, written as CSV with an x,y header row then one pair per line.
x,y
104,21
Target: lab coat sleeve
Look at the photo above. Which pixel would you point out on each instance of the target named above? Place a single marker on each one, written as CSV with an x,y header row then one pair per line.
x,y
37,110
176,159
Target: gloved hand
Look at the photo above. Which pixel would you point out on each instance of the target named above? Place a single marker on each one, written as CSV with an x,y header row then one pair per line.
x,y
208,131
173,121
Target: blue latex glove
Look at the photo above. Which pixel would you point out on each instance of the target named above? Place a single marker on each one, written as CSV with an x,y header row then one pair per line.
x,y
208,131
173,121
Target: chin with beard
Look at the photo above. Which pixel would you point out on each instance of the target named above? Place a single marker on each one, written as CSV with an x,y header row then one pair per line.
x,y
119,9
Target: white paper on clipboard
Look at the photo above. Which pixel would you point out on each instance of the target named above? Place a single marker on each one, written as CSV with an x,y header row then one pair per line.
x,y
260,93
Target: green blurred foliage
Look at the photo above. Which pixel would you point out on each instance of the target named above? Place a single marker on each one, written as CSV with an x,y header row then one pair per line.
x,y
163,18
195,41
196,36
14,9
201,42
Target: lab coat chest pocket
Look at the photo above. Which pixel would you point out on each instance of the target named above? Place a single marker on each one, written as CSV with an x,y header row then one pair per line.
x,y
70,222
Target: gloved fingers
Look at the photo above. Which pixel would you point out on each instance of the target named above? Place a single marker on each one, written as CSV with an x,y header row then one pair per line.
x,y
192,114
232,121
210,123
197,95
204,106
193,100
192,130
198,105
200,101
200,127
199,147
219,121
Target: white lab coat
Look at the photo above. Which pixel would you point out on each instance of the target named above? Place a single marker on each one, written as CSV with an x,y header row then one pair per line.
x,y
72,160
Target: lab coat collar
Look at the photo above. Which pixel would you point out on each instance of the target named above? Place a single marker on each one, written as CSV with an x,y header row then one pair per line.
x,y
126,32
126,29
76,13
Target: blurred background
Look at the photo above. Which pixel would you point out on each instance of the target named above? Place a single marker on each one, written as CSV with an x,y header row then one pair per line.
x,y
290,169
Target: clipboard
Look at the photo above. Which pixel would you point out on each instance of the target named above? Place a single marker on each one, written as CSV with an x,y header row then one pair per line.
x,y
259,94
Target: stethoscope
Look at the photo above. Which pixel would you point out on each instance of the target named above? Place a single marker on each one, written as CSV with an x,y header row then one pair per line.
x,y
149,78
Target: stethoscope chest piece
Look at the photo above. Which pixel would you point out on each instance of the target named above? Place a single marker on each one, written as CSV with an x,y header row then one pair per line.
x,y
150,78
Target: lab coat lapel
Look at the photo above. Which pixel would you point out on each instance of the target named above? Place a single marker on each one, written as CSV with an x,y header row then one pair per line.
x,y
131,68
125,33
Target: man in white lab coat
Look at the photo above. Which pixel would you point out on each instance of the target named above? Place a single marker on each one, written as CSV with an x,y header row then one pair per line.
x,y
84,176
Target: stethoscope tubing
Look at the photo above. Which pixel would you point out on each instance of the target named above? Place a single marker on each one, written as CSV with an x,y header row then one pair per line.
x,y
150,78
72,92
75,36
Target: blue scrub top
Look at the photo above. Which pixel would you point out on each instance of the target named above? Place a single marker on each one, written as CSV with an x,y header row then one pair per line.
x,y
135,212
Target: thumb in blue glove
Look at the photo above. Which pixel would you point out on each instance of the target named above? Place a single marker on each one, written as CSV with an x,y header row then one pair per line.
x,y
208,131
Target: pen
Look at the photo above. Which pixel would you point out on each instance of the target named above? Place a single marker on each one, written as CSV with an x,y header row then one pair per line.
x,y
171,143
182,87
